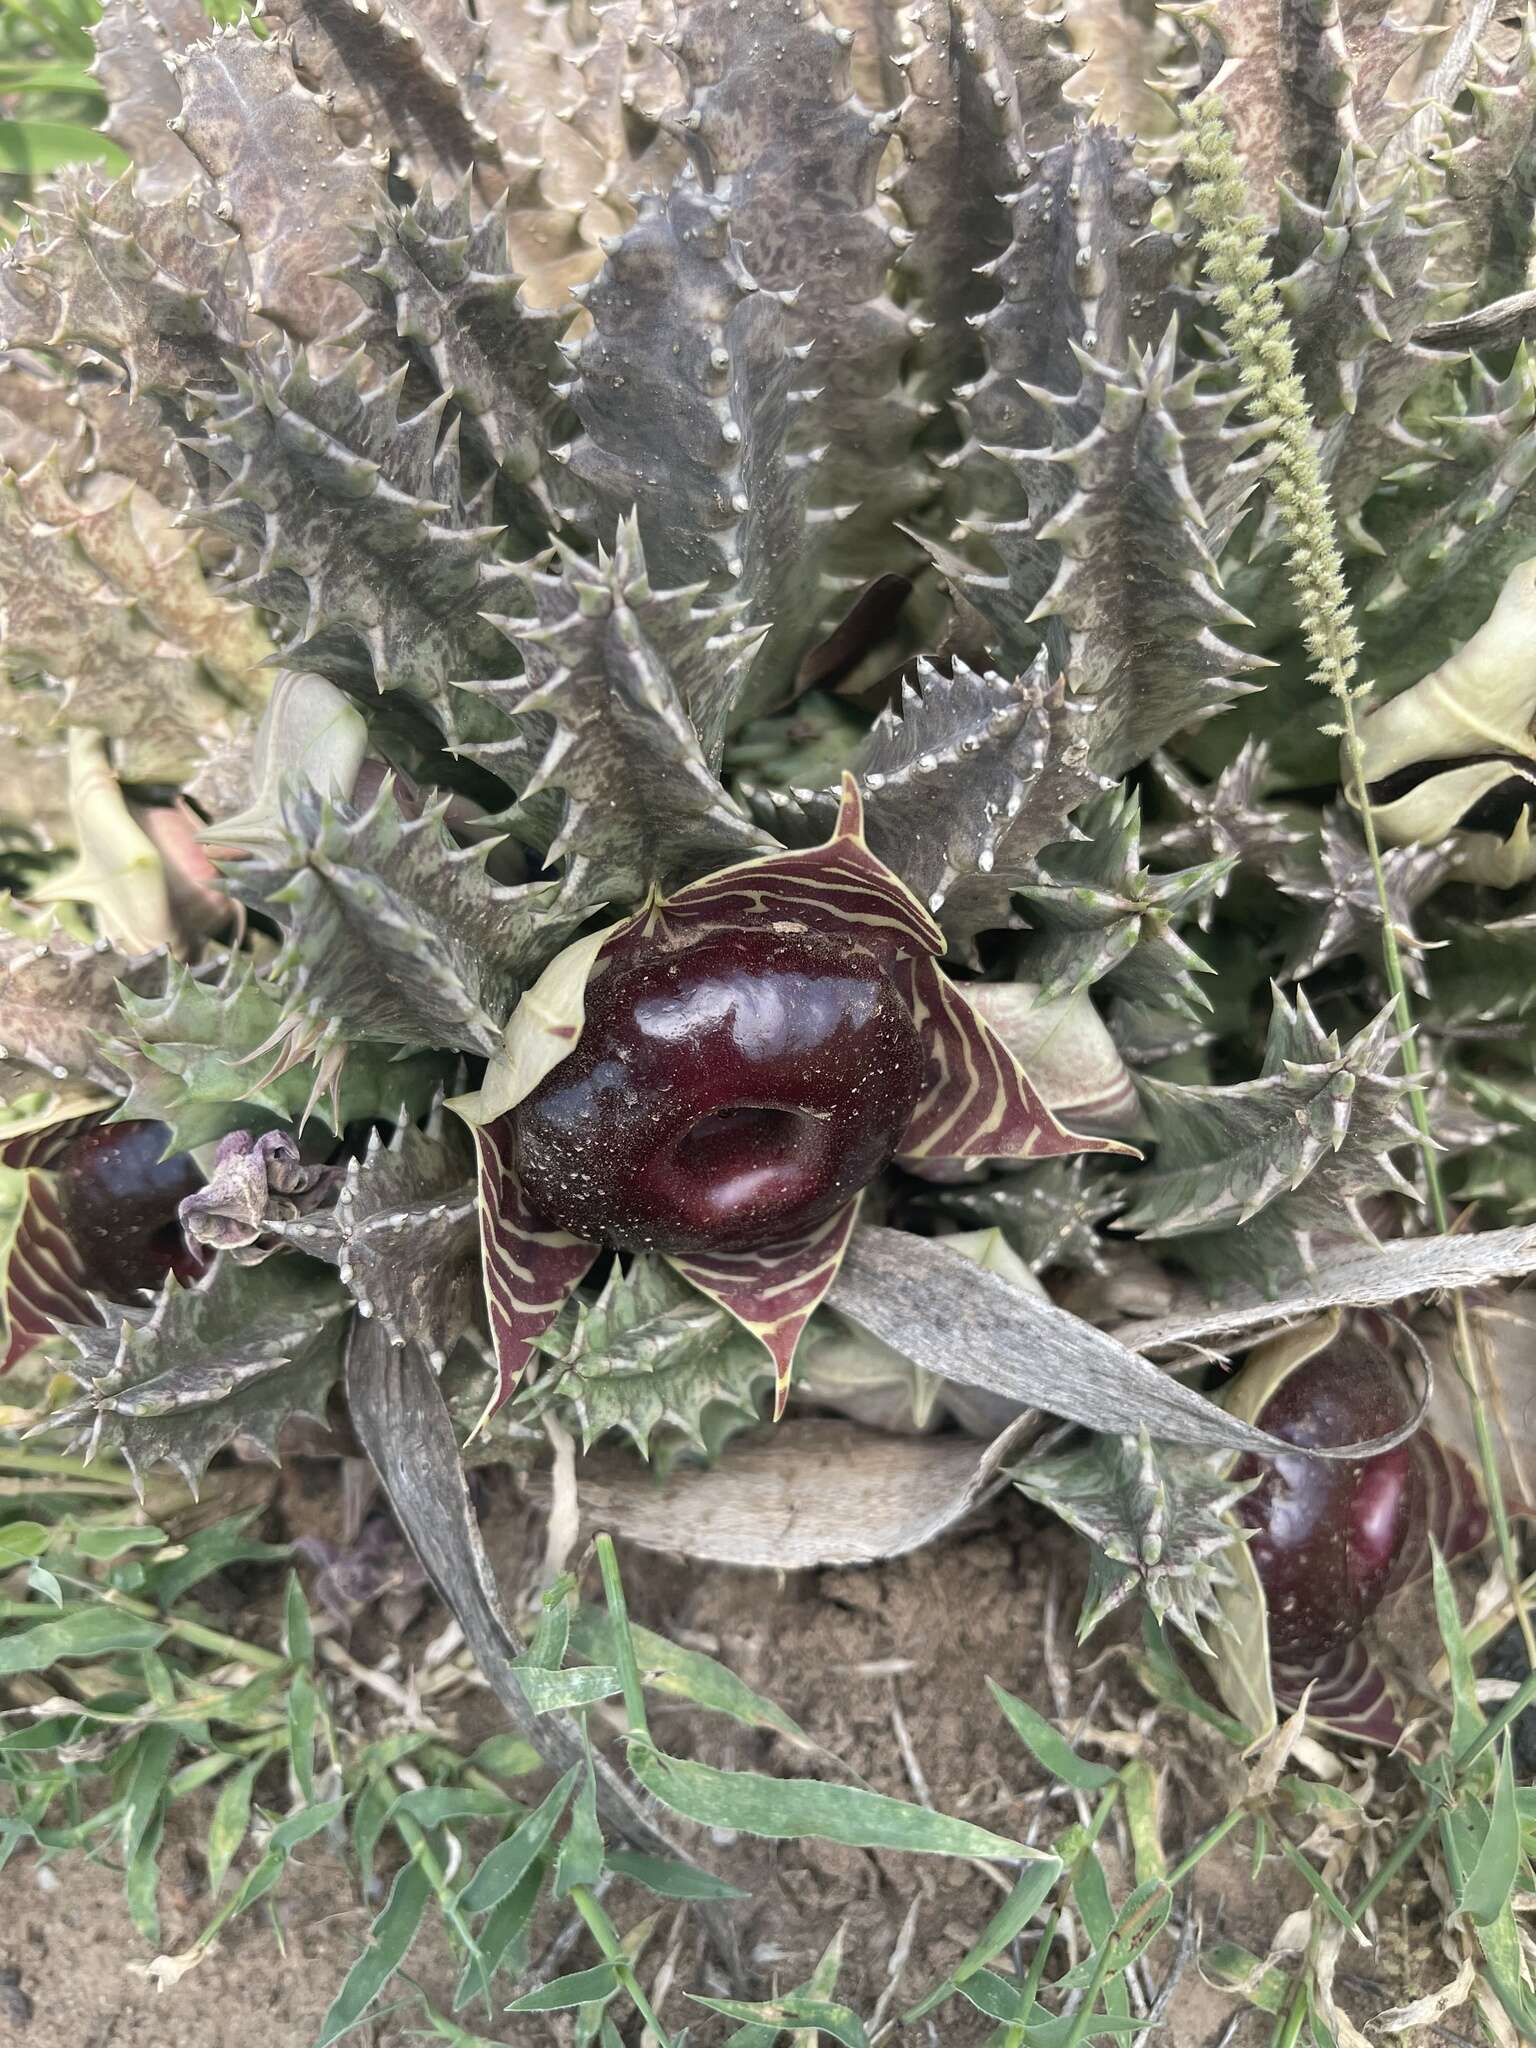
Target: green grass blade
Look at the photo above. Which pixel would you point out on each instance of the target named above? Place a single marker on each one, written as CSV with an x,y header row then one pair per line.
x,y
580,1860
1029,1894
105,1543
230,1824
780,1808
683,1674
434,1806
669,1879
142,1796
1048,1746
504,1867
88,1632
1491,1881
303,1715
581,1987
141,1881
389,1939
31,149
553,1692
504,1937
837,2022
1319,1884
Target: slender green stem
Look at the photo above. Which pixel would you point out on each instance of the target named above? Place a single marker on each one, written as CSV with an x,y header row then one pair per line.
x,y
52,1465
1288,2032
1014,2038
623,1641
1400,1856
1096,1820
16,1487
607,1938
1091,1833
1082,2019
196,1633
1465,1348
1233,241
414,1837
1202,1849
1515,1704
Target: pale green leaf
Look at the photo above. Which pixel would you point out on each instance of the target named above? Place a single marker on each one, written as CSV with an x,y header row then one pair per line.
x,y
781,1809
389,1939
505,1866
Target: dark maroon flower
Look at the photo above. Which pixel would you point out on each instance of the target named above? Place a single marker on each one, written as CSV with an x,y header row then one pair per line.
x,y
98,1217
727,1092
1329,1537
1333,1539
719,1077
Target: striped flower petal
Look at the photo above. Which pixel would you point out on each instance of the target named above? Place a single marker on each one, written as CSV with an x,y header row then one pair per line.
x,y
839,889
978,1102
1350,1695
43,1281
530,1268
775,1290
1456,1513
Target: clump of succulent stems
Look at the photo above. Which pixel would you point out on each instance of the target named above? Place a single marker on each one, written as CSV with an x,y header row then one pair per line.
x,y
1232,242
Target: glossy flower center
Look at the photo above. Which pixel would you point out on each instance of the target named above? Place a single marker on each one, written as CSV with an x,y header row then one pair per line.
x,y
119,1198
724,1094
1330,1537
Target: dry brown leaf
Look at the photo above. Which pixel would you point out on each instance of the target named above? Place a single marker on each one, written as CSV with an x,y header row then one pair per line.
x,y
1429,2010
801,1494
1354,1278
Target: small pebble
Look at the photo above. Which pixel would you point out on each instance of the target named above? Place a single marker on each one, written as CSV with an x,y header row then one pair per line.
x,y
15,2005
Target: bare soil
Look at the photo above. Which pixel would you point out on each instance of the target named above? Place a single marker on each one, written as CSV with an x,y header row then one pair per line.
x,y
884,1668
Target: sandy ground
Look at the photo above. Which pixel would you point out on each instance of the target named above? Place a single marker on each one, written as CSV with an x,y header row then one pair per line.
x,y
884,1667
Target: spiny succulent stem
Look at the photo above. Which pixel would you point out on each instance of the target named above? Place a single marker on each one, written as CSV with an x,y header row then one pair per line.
x,y
1232,240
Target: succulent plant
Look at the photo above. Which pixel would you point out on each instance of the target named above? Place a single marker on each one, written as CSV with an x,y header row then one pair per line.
x,y
585,530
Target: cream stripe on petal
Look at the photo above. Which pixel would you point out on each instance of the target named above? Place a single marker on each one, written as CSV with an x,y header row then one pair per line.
x,y
832,886
530,1270
978,1103
774,1291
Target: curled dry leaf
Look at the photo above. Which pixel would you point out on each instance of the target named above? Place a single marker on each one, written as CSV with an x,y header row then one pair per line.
x,y
1432,2008
789,1502
403,1424
806,1493
841,1366
1439,756
978,1330
1355,1277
